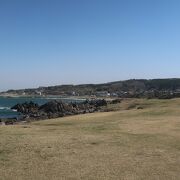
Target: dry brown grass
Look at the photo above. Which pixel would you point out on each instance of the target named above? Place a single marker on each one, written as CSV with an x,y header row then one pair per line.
x,y
126,144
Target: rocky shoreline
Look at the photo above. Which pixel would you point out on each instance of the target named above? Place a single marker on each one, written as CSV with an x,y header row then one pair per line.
x,y
55,109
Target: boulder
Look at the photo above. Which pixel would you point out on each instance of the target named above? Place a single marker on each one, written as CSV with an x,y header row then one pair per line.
x,y
9,121
116,101
26,108
97,102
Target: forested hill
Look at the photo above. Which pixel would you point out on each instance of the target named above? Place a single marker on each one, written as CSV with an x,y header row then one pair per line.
x,y
133,87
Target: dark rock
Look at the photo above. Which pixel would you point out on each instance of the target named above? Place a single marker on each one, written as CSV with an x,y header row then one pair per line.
x,y
116,101
140,107
96,103
9,121
55,109
26,108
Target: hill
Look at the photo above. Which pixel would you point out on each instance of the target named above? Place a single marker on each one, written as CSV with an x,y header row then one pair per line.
x,y
161,88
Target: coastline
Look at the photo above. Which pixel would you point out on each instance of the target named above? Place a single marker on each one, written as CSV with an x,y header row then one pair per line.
x,y
8,100
45,97
30,111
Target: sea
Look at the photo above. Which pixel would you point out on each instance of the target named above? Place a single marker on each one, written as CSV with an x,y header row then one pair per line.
x,y
7,102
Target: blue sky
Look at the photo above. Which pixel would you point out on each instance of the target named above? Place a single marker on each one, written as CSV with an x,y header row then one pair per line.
x,y
48,42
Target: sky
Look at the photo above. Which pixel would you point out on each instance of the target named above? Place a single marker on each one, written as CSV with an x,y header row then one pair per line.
x,y
53,42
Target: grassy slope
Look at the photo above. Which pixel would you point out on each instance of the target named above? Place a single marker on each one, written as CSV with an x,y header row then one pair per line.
x,y
127,144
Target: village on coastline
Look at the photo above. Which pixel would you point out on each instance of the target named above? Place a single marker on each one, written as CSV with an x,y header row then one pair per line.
x,y
157,88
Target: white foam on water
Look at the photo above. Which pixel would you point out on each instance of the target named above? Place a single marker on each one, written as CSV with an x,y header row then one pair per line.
x,y
5,108
14,110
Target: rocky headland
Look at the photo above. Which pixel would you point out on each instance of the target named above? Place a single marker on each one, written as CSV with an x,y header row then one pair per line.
x,y
31,111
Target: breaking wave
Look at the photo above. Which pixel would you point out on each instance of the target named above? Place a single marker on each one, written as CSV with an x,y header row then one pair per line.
x,y
5,108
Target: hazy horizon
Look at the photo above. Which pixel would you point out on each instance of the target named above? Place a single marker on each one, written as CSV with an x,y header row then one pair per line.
x,y
52,42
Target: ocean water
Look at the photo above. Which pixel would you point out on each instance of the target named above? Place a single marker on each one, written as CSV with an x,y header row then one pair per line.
x,y
7,102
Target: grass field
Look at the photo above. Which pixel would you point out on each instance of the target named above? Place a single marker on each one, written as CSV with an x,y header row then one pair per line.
x,y
130,143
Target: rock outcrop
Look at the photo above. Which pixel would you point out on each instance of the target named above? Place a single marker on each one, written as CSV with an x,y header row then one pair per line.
x,y
55,109
26,108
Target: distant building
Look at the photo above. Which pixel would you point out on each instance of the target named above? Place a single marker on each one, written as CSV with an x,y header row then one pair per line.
x,y
73,93
103,94
39,93
114,94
